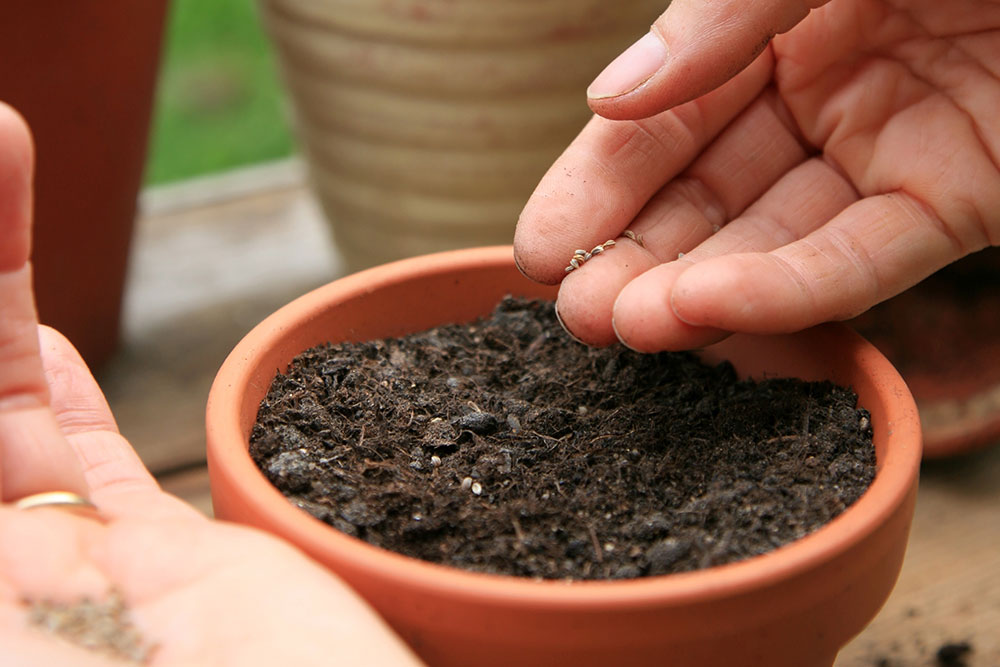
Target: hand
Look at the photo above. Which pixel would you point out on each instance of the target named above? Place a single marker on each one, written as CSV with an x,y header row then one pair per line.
x,y
804,178
202,591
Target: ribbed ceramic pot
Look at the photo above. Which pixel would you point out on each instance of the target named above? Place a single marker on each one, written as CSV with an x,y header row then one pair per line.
x,y
426,124
793,607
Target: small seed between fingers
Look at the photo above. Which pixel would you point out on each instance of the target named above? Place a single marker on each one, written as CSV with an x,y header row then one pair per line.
x,y
580,256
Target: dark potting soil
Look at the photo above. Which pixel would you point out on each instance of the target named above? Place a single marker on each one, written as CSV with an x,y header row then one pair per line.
x,y
505,447
953,655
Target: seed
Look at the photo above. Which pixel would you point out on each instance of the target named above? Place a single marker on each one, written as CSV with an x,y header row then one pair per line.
x,y
575,263
680,255
435,461
579,251
598,249
466,483
477,488
609,243
635,237
569,268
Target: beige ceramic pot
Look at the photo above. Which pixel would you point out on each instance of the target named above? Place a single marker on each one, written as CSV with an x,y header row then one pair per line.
x,y
793,607
426,124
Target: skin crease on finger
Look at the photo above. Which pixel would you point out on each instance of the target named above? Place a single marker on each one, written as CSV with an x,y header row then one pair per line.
x,y
922,156
648,315
656,327
611,170
755,151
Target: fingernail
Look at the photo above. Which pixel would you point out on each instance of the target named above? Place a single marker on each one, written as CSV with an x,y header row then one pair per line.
x,y
563,325
517,263
614,327
631,69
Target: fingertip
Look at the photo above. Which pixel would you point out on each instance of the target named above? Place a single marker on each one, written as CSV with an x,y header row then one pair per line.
x,y
748,292
76,397
644,320
16,169
585,312
618,92
710,293
587,295
15,131
565,328
532,262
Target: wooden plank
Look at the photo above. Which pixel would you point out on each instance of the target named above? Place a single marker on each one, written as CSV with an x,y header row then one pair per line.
x,y
201,277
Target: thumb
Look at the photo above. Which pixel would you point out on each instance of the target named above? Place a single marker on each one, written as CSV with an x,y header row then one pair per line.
x,y
34,454
692,49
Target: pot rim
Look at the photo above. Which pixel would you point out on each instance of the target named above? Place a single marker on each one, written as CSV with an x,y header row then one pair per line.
x,y
228,457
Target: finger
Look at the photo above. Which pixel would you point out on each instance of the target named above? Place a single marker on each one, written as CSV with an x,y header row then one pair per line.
x,y
609,172
693,48
21,382
76,398
587,296
120,484
118,480
753,153
34,456
16,166
800,202
873,250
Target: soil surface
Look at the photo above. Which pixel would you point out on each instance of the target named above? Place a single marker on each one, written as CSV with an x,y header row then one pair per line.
x,y
954,655
505,447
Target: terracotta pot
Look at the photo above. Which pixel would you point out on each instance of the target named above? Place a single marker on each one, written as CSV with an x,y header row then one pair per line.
x,y
941,335
426,124
795,606
82,73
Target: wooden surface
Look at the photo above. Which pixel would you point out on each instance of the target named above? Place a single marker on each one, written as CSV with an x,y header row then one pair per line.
x,y
213,257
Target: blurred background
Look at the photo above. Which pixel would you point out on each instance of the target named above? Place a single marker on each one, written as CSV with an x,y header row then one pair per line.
x,y
219,104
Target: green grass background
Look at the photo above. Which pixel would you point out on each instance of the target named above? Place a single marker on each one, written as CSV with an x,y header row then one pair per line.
x,y
219,104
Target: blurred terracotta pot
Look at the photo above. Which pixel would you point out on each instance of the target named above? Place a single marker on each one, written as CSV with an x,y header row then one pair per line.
x,y
795,606
942,336
83,73
426,124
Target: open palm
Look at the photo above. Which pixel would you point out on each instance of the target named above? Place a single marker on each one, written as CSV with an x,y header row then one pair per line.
x,y
199,592
858,153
